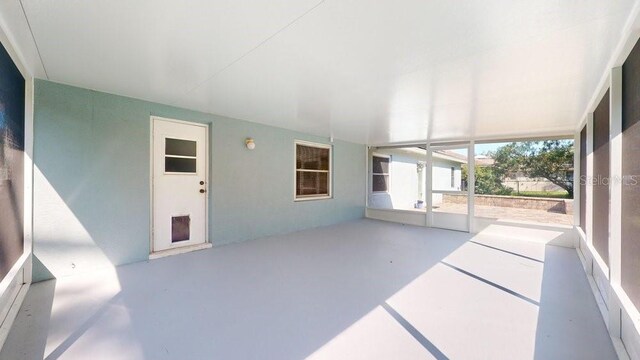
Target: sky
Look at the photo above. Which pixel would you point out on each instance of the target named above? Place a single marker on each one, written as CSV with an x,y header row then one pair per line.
x,y
482,149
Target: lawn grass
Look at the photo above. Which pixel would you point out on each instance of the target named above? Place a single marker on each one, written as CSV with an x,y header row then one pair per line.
x,y
546,194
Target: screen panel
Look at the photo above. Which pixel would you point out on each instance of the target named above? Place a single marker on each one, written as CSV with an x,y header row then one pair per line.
x,y
601,178
583,179
397,177
12,95
631,176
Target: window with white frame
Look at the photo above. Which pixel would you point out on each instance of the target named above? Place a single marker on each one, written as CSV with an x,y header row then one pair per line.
x,y
380,173
313,171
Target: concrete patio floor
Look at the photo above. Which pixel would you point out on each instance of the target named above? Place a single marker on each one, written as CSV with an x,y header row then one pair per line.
x,y
359,290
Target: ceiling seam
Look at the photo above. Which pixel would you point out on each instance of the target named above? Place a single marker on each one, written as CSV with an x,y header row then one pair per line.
x,y
254,48
34,39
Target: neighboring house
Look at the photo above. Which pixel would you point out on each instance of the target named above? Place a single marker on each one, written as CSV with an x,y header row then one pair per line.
x,y
447,173
398,176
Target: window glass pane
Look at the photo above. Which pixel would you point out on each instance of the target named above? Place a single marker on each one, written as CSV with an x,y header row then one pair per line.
x,y
631,176
179,147
180,165
380,165
380,183
312,183
180,228
601,176
312,158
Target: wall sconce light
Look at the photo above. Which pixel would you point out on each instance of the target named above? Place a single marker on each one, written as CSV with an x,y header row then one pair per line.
x,y
250,143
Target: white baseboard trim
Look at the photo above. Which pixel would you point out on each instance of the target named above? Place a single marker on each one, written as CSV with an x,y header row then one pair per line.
x,y
625,344
179,250
13,289
409,217
11,315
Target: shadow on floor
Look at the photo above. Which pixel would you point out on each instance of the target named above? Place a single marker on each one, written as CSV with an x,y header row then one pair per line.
x,y
364,289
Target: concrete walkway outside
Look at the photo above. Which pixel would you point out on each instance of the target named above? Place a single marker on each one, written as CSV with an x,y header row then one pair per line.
x,y
508,213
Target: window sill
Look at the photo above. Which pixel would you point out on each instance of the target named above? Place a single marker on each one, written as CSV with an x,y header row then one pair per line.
x,y
312,198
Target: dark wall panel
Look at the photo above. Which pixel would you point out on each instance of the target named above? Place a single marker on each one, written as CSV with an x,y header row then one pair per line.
x,y
601,178
583,178
11,162
631,176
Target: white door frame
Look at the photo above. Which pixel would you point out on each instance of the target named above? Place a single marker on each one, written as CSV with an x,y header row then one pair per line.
x,y
207,243
470,193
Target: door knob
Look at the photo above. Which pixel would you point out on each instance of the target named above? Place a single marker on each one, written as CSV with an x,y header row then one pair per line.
x,y
202,191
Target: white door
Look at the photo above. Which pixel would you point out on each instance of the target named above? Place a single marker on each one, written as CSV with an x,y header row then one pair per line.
x,y
179,184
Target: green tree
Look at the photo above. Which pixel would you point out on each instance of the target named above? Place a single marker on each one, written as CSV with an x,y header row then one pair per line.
x,y
487,182
549,159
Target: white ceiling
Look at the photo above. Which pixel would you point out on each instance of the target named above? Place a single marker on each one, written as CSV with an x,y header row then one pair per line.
x,y
360,70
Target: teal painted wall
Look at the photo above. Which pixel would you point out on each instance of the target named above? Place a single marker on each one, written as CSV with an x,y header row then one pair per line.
x,y
91,187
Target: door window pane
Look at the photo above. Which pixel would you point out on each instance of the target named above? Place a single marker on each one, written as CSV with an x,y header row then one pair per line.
x,y
179,147
179,165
